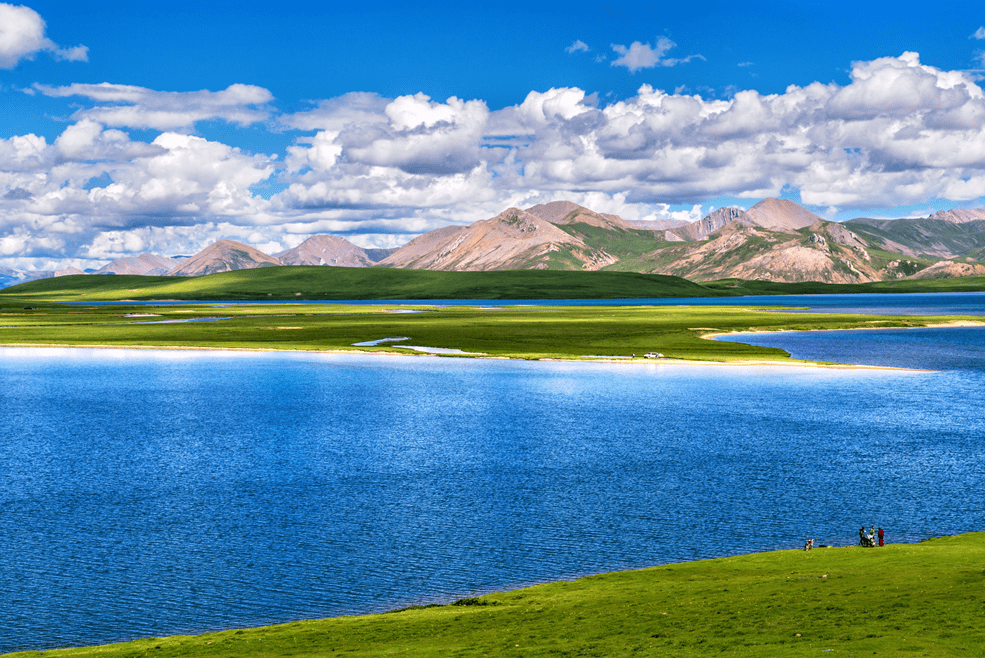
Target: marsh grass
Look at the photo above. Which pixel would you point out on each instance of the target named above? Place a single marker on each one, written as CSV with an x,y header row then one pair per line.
x,y
521,332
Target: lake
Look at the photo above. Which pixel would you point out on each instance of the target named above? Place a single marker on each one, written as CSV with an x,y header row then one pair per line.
x,y
154,492
935,303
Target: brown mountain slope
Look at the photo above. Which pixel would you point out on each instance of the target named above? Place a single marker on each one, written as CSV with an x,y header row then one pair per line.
x,y
780,215
325,250
949,269
224,256
422,248
146,264
562,213
515,239
824,252
960,215
772,214
710,223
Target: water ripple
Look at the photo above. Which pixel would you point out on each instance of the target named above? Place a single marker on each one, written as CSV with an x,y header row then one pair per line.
x,y
145,494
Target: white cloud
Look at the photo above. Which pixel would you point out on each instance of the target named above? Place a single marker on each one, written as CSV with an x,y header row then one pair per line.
x,y
419,136
381,170
578,46
92,181
336,113
24,153
89,140
22,35
644,56
979,33
136,107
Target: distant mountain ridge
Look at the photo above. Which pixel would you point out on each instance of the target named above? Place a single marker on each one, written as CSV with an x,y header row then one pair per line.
x,y
949,234
325,250
224,256
774,240
540,237
145,264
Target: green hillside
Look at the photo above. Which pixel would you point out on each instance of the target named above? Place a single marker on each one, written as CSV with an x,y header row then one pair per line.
x,y
921,599
923,235
344,283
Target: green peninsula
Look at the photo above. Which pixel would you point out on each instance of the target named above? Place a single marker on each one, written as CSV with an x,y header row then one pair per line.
x,y
504,331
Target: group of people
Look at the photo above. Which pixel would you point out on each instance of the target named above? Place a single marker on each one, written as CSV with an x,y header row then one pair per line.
x,y
864,539
869,540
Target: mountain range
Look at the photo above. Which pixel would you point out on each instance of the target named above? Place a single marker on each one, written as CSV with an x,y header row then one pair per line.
x,y
775,240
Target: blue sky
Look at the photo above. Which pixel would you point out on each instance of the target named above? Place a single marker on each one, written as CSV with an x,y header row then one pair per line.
x,y
131,127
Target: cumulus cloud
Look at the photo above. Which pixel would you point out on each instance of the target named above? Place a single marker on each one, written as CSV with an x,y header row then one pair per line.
x,y
578,46
413,134
22,35
638,55
979,33
137,107
61,197
381,170
335,113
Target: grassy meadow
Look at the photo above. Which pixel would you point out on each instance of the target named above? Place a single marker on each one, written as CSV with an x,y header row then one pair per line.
x,y
519,332
30,314
345,283
923,599
360,283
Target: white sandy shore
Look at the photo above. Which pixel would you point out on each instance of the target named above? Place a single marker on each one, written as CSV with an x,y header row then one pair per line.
x,y
639,361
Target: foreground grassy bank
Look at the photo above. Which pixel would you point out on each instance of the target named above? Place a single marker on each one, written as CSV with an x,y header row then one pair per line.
x,y
922,599
509,332
343,283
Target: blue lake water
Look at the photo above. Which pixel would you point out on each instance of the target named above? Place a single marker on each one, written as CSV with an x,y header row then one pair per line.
x,y
148,493
958,303
933,348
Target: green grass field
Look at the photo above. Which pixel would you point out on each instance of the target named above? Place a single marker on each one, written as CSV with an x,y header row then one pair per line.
x,y
343,283
520,332
925,599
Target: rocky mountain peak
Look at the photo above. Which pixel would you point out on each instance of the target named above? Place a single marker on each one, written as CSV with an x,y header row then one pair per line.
x,y
224,256
713,221
325,250
959,215
780,215
560,213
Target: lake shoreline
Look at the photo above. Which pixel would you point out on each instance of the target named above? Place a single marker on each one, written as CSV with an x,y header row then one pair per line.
x,y
784,587
736,363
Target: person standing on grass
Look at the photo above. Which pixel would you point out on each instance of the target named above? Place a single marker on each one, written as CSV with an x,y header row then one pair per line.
x,y
882,537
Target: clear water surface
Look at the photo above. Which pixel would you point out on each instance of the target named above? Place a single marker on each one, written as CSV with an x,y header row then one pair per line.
x,y
958,303
153,492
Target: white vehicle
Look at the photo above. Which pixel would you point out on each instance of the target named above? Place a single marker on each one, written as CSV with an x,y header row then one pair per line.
x,y
653,355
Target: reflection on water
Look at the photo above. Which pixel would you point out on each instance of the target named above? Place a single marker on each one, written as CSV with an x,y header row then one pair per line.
x,y
147,493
